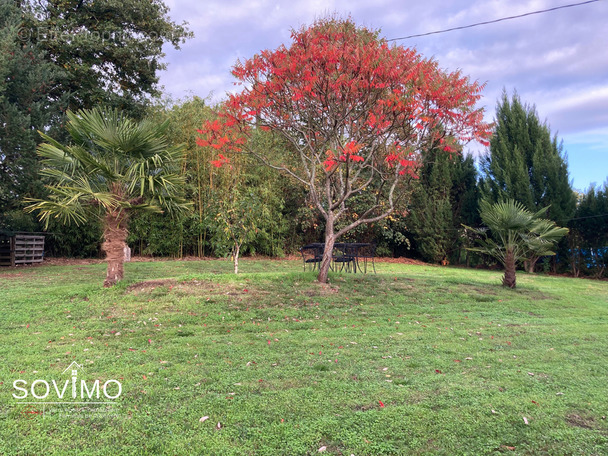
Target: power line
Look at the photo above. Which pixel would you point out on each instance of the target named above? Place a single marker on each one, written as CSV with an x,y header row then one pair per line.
x,y
561,220
587,217
494,21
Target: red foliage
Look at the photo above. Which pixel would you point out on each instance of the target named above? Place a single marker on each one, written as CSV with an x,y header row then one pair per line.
x,y
221,161
335,72
354,112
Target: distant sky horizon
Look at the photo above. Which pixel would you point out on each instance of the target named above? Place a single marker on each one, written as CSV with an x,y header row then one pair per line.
x,y
556,61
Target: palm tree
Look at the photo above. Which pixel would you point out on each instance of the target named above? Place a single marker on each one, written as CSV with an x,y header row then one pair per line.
x,y
516,234
113,167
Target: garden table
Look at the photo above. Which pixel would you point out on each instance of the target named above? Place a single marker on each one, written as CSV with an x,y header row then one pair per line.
x,y
349,255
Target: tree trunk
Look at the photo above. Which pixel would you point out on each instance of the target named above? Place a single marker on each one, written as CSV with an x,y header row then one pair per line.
x,y
235,257
598,264
574,263
115,235
330,239
531,264
509,277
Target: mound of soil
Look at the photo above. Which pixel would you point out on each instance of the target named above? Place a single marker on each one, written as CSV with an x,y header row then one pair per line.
x,y
149,285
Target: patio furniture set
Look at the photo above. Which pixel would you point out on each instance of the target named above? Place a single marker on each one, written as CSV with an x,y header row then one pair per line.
x,y
346,256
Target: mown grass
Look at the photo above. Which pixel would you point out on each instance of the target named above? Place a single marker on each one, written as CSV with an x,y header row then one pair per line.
x,y
413,360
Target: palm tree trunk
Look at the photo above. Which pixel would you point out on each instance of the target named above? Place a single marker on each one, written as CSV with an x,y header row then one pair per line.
x,y
115,235
509,277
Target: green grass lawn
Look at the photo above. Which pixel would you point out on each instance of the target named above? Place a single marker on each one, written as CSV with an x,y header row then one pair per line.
x,y
413,360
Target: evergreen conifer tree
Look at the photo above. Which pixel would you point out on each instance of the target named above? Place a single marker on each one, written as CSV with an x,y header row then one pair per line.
x,y
25,107
445,197
589,240
526,163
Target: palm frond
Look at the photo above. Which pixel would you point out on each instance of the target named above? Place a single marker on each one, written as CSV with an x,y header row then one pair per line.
x,y
514,228
112,163
65,213
505,216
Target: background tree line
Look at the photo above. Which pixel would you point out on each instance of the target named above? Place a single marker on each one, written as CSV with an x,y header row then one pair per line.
x,y
113,59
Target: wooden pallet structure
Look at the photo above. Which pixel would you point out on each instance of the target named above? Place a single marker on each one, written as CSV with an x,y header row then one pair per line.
x,y
21,248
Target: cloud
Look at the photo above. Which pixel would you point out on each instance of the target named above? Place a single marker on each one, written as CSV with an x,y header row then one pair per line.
x,y
585,109
554,60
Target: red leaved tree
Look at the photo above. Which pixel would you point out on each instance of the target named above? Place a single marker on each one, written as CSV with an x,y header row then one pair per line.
x,y
355,112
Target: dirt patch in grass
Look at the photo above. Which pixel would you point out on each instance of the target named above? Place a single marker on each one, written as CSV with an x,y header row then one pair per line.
x,y
322,289
534,295
585,421
366,407
532,314
191,287
143,287
208,288
484,291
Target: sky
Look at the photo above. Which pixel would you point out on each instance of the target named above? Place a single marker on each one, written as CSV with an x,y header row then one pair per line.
x,y
556,61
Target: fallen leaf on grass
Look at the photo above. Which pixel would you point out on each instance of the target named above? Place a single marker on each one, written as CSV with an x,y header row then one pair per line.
x,y
525,420
381,404
322,449
203,419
